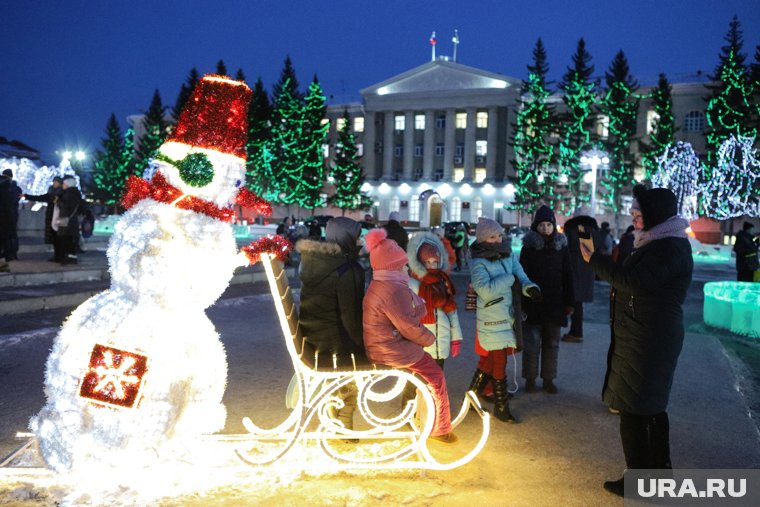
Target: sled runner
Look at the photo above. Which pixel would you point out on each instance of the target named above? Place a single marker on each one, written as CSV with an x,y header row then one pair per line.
x,y
398,436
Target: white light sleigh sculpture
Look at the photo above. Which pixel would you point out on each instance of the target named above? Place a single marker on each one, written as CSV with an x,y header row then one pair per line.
x,y
398,441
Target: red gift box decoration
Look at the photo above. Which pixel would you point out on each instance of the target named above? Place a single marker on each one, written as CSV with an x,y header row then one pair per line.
x,y
114,377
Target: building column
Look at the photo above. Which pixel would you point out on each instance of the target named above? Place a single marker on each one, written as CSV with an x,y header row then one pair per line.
x,y
388,146
469,145
449,144
492,139
368,140
408,145
428,149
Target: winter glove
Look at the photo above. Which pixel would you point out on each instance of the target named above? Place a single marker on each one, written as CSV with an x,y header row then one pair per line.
x,y
455,346
534,293
569,310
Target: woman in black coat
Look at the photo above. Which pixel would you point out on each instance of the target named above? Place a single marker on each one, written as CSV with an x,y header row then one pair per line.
x,y
546,261
649,291
68,205
50,197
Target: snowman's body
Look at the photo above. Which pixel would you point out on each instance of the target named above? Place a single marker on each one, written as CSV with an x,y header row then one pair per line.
x,y
167,266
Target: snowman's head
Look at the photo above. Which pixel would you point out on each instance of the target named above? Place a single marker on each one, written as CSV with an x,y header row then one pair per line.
x,y
205,155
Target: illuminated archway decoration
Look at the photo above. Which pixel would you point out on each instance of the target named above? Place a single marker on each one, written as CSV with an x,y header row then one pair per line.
x,y
395,441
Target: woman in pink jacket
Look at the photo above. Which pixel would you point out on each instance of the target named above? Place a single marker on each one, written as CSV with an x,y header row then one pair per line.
x,y
393,333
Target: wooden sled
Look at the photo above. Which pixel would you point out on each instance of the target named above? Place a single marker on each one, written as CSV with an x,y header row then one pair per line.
x,y
399,440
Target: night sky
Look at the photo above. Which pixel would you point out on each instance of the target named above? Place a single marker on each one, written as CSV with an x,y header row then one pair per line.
x,y
68,64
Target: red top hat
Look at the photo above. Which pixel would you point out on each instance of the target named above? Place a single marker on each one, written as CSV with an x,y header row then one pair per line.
x,y
216,116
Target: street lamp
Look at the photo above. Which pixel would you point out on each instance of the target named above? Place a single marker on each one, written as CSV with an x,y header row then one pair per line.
x,y
593,159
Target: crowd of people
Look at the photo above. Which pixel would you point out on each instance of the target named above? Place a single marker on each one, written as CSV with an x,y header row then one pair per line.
x,y
407,317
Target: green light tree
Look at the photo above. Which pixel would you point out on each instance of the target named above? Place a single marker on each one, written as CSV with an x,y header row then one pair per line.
x,y
663,128
185,91
576,124
346,172
112,164
313,138
259,172
727,190
534,153
729,109
155,131
620,104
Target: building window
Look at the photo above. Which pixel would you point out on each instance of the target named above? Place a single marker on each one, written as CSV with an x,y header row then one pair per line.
x,y
417,174
477,209
395,204
481,148
481,120
456,210
398,150
603,126
440,122
359,149
694,121
458,175
652,119
461,122
399,122
326,150
439,150
459,150
419,122
418,150
438,174
359,124
480,175
340,124
414,210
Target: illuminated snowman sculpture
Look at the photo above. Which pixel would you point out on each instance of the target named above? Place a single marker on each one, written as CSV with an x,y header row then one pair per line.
x,y
138,372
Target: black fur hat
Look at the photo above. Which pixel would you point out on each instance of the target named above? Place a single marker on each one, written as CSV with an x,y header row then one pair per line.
x,y
657,204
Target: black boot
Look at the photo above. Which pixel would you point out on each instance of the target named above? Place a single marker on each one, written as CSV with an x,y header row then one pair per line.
x,y
501,401
479,381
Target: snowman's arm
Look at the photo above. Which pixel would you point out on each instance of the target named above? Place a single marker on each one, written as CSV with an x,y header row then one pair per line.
x,y
276,246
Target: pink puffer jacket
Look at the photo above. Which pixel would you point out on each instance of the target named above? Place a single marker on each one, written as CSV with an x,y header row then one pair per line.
x,y
393,334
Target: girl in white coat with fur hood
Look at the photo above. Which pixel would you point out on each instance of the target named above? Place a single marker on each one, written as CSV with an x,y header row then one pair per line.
x,y
429,265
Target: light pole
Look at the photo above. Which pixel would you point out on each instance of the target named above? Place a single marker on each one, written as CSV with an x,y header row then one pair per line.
x,y
594,159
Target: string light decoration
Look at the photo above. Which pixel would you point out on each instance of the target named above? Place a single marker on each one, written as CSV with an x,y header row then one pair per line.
x,y
534,154
113,164
663,128
679,169
728,187
347,173
318,389
171,256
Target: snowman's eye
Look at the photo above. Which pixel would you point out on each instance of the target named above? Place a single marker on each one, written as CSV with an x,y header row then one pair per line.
x,y
195,169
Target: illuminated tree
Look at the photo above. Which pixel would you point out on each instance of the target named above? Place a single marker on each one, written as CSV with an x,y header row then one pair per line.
x,y
156,129
313,138
534,153
663,127
346,172
112,164
576,122
185,92
678,168
729,110
620,105
727,190
259,173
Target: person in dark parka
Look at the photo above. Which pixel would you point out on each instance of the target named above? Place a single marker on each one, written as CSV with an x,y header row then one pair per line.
x,y
583,277
396,231
68,205
746,251
53,192
332,290
546,261
649,291
10,193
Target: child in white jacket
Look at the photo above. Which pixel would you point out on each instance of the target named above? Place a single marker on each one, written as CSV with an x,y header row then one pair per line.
x,y
429,265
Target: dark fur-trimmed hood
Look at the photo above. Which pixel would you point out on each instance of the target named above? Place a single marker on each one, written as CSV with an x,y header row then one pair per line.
x,y
416,242
318,247
534,240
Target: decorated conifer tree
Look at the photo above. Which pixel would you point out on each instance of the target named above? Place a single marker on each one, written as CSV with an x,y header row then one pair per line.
x,y
678,168
729,110
221,68
576,122
156,129
259,173
620,104
309,195
728,188
112,164
185,91
663,127
346,171
535,156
